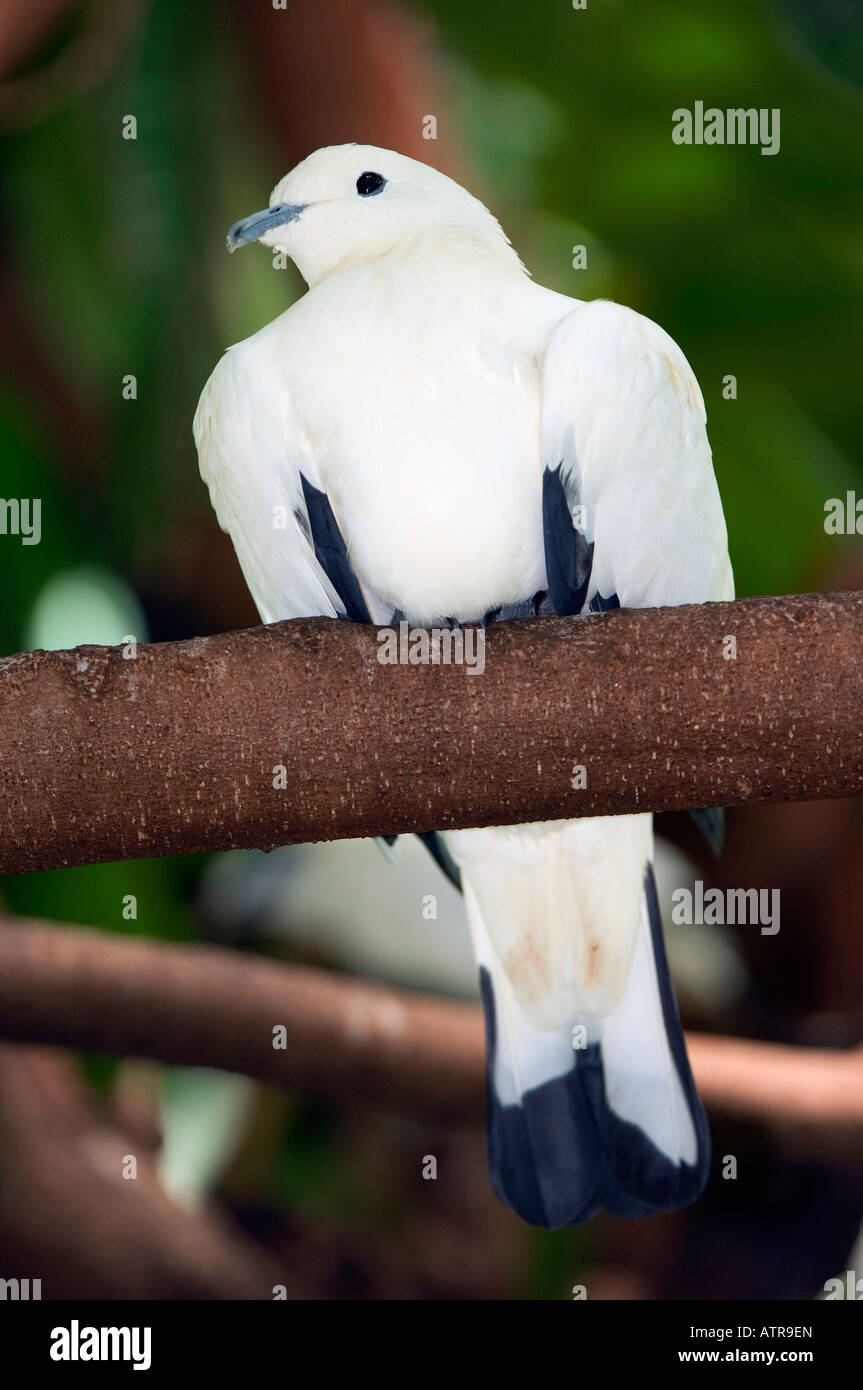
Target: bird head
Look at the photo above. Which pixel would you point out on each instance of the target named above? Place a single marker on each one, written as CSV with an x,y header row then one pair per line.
x,y
353,204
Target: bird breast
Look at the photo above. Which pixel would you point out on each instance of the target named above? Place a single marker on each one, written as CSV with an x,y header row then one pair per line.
x,y
426,435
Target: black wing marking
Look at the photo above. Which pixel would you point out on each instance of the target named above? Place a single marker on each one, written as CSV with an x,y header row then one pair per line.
x,y
438,851
598,604
442,857
332,554
540,606
568,555
711,822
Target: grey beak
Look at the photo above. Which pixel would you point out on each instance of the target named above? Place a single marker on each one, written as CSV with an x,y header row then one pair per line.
x,y
252,228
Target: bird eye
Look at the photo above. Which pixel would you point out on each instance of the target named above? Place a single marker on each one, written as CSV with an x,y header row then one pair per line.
x,y
369,183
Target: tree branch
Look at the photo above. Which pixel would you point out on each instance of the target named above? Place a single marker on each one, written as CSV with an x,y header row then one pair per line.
x,y
348,1039
176,751
206,1006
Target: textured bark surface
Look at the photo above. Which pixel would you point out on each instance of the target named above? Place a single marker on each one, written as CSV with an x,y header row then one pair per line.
x,y
177,750
350,1040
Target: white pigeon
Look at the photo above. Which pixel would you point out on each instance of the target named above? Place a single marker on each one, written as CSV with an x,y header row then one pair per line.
x,y
452,442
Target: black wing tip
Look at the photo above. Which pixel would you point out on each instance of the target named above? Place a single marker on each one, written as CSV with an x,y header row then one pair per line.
x,y
331,552
598,604
442,857
543,1155
645,1182
568,553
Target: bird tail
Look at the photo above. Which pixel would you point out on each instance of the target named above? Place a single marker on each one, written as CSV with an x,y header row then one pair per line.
x,y
593,1105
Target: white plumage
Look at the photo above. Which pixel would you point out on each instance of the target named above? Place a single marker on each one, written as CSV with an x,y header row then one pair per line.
x,y
446,408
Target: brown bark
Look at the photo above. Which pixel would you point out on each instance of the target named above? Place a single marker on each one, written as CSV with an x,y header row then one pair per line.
x,y
348,1039
175,751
